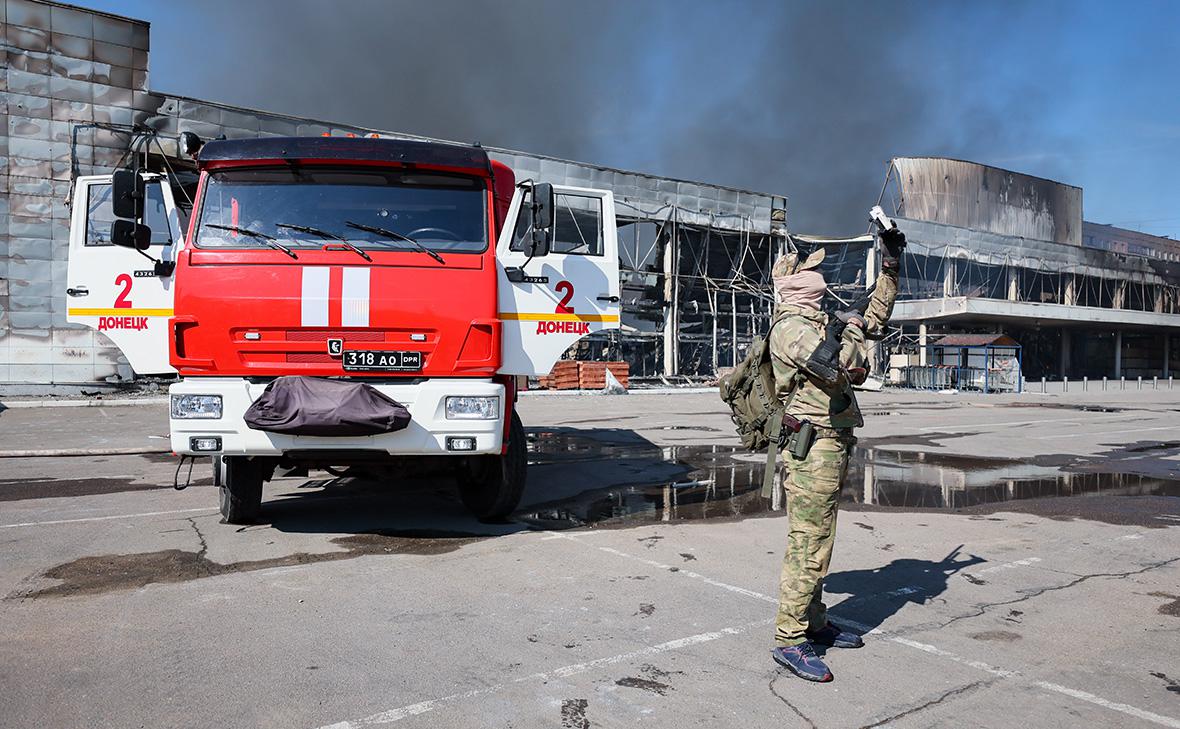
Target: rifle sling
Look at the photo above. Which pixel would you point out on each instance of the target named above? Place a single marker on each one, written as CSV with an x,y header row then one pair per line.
x,y
776,426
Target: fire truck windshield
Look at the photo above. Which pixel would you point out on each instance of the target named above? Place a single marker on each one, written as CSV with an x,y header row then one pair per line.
x,y
296,206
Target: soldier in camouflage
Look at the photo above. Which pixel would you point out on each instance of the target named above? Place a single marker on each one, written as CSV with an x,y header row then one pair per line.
x,y
813,483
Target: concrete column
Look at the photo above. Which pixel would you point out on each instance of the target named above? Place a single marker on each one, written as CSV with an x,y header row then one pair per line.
x,y
1120,295
672,296
1118,354
1159,299
870,491
1066,347
870,266
1071,293
1013,284
733,329
922,344
948,277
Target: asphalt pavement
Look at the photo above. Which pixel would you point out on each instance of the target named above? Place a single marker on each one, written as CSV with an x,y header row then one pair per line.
x,y
1014,560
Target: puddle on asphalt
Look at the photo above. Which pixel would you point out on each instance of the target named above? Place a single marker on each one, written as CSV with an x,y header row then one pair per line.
x,y
720,482
112,572
20,489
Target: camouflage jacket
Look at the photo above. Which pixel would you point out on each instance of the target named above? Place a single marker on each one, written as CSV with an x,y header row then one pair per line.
x,y
795,335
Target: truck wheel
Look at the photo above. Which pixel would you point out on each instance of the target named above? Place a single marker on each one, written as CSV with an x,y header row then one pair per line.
x,y
491,486
239,488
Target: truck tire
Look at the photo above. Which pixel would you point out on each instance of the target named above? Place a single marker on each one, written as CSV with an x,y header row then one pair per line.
x,y
239,488
491,486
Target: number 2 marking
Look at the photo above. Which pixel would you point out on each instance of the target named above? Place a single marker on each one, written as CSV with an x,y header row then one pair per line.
x,y
568,288
121,301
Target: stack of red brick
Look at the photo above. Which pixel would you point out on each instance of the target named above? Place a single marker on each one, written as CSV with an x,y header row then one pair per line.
x,y
570,374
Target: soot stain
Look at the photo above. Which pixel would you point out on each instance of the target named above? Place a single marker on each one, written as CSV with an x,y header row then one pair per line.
x,y
862,525
973,579
688,557
21,489
1168,608
573,714
1000,635
1172,685
113,572
646,609
644,684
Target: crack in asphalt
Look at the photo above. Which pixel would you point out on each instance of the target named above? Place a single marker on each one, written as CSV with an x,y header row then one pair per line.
x,y
982,609
800,714
200,538
934,702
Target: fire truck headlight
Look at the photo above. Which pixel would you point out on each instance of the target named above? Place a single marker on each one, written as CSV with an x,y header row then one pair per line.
x,y
196,407
466,407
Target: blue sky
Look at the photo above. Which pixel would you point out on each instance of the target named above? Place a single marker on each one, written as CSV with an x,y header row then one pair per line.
x,y
804,99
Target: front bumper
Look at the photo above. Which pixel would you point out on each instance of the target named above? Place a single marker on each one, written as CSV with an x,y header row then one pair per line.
x,y
426,434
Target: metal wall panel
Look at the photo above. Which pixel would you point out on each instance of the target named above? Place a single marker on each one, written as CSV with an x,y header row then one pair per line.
x,y
970,195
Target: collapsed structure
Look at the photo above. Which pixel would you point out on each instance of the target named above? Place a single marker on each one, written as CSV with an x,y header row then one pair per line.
x,y
992,252
695,257
1003,253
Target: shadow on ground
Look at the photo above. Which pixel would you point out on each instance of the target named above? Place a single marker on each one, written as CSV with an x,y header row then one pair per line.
x,y
875,595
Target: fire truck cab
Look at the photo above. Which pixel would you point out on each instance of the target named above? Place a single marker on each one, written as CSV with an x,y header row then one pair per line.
x,y
423,270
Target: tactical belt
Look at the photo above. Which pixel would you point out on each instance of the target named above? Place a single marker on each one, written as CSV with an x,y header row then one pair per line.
x,y
839,433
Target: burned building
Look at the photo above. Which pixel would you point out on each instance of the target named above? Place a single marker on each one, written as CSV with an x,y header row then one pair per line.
x,y
74,87
1003,253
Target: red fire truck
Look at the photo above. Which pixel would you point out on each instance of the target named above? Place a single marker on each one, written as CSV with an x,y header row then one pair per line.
x,y
423,271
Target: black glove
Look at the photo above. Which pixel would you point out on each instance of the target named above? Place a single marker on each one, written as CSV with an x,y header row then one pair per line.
x,y
894,242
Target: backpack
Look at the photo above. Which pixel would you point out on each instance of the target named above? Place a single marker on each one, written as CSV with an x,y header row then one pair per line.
x,y
749,390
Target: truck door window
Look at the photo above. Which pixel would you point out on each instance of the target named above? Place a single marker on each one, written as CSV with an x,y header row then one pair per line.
x,y
99,215
577,225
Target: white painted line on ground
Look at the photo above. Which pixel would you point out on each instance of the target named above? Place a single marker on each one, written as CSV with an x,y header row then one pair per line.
x,y
957,427
92,403
1103,432
926,647
103,518
422,707
1112,705
1009,565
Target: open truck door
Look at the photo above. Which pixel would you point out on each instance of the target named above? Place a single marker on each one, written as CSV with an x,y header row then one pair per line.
x,y
121,292
558,273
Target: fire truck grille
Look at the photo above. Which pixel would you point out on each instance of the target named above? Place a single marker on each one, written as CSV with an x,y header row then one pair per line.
x,y
310,357
323,335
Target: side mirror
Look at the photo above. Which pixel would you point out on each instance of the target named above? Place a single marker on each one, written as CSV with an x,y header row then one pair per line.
x,y
127,190
131,234
542,207
190,144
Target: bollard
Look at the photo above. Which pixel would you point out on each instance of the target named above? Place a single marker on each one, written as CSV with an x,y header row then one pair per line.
x,y
1065,384
1155,382
1139,380
1104,383
1085,383
1042,384
1122,382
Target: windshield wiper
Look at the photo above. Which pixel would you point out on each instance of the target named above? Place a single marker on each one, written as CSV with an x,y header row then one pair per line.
x,y
396,236
326,234
267,239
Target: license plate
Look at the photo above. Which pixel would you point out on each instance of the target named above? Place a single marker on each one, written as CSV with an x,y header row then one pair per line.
x,y
378,359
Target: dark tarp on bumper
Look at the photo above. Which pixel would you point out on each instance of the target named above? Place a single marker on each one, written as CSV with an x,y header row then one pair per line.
x,y
316,406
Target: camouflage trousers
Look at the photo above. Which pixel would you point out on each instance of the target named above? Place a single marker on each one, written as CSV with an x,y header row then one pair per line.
x,y
813,497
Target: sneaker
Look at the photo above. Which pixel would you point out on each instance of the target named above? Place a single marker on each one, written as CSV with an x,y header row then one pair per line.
x,y
834,637
802,661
